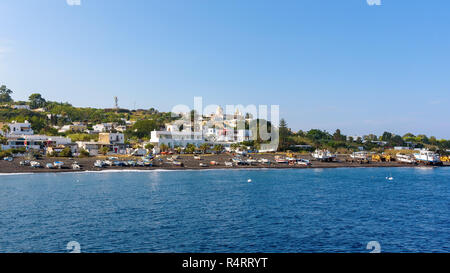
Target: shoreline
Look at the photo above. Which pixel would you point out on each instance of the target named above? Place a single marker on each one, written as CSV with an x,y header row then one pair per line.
x,y
190,164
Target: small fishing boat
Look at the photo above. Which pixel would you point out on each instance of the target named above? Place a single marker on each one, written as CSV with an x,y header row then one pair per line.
x,y
203,165
196,157
8,158
75,166
229,164
148,163
108,163
428,157
363,155
264,160
25,163
303,162
99,164
131,163
35,164
118,163
140,164
251,161
406,158
58,164
281,160
178,163
323,155
49,166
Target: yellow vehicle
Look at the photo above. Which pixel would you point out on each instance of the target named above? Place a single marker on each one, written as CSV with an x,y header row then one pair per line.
x,y
445,158
290,154
382,158
377,158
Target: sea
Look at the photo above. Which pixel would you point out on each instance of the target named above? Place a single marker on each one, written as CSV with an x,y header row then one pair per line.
x,y
343,210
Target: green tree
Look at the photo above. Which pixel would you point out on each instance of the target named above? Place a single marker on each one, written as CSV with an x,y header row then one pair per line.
x,y
190,148
84,153
204,147
149,146
164,147
337,136
66,152
218,148
104,150
283,131
143,128
5,94
36,101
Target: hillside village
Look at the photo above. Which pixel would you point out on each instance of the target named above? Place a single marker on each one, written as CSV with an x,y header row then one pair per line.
x,y
60,129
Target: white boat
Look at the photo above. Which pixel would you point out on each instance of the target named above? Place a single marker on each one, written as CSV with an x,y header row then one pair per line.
x,y
99,164
75,166
229,164
197,157
303,162
58,164
410,159
49,166
360,155
263,160
281,160
323,155
427,157
35,164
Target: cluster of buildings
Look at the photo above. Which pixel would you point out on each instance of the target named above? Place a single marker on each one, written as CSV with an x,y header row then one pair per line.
x,y
217,128
21,135
214,129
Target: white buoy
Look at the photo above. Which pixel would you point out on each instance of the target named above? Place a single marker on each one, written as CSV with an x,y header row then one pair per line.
x,y
249,181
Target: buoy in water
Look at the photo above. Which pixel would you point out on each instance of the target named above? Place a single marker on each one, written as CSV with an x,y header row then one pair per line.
x,y
249,181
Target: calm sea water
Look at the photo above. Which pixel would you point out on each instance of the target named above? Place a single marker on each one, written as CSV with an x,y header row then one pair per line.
x,y
313,210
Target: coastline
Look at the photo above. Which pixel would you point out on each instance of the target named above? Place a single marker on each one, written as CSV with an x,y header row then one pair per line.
x,y
189,164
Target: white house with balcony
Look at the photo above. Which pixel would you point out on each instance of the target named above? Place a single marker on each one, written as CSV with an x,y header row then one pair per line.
x,y
17,128
35,142
173,139
103,127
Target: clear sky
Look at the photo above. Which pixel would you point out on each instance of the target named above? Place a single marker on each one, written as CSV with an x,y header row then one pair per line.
x,y
328,64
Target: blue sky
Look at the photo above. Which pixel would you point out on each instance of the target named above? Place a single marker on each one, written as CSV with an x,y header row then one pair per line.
x,y
328,64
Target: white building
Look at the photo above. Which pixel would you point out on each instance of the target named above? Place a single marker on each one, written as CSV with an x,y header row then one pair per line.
x,y
16,129
76,127
102,127
35,142
173,139
25,107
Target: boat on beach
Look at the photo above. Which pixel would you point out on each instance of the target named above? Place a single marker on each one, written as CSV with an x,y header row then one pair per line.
x,y
303,162
58,164
178,163
35,164
410,159
323,155
363,155
281,160
428,157
99,164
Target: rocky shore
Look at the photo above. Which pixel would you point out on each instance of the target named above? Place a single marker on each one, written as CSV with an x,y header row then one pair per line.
x,y
188,162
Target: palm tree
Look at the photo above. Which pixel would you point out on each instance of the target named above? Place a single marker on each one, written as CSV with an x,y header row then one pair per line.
x,y
5,129
164,147
218,148
204,147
